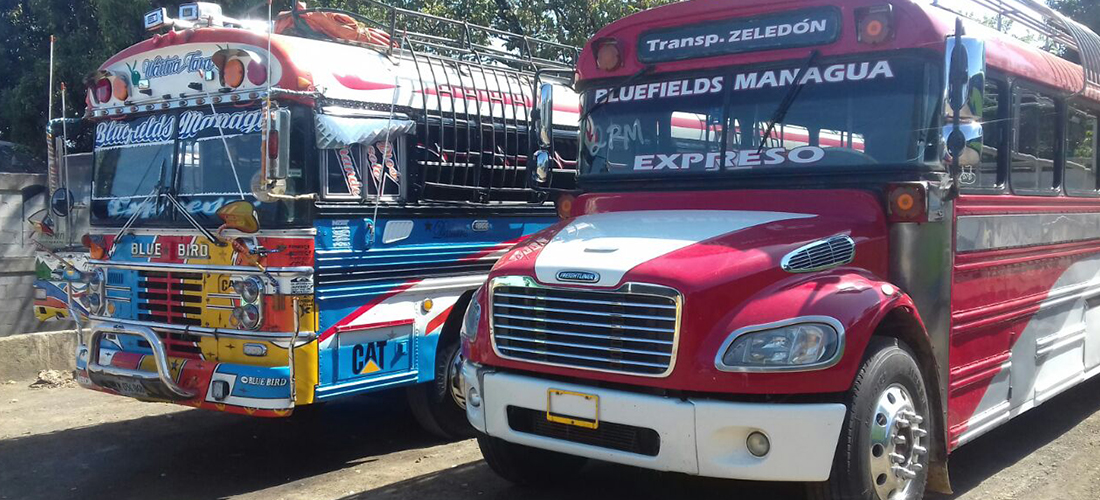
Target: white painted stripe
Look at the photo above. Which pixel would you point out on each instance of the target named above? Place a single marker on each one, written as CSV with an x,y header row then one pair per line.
x,y
611,244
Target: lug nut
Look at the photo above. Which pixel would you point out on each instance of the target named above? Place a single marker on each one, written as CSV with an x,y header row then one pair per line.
x,y
920,450
918,432
897,458
902,421
899,440
904,473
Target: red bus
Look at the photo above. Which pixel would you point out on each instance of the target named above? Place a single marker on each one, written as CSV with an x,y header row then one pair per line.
x,y
817,241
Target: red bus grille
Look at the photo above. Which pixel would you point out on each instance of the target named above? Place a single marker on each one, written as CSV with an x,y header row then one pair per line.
x,y
170,297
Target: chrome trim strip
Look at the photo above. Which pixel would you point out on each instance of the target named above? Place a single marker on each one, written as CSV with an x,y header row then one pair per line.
x,y
588,358
203,331
567,311
599,302
632,288
163,374
594,325
820,365
582,335
996,232
157,266
582,346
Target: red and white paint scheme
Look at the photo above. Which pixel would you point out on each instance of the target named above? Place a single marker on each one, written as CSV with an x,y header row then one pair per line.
x,y
798,261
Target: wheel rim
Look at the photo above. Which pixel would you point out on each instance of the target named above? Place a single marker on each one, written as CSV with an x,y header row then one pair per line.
x,y
455,381
898,444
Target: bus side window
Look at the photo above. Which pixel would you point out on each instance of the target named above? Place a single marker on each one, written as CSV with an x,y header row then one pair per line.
x,y
988,175
1035,152
343,172
1081,152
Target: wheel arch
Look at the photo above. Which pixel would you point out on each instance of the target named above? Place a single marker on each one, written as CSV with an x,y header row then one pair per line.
x,y
903,323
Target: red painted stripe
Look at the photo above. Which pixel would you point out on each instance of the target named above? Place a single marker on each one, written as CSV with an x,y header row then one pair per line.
x,y
373,326
364,308
438,321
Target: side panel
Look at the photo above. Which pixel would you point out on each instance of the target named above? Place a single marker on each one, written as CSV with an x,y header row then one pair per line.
x,y
1027,275
382,307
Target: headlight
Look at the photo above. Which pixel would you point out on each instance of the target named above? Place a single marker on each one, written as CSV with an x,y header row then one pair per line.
x,y
247,317
249,288
803,343
94,292
472,317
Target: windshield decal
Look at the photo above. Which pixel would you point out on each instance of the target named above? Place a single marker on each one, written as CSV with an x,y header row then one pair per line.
x,y
835,73
805,155
151,130
196,124
734,36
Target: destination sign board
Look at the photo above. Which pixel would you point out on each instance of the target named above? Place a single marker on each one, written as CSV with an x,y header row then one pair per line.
x,y
801,28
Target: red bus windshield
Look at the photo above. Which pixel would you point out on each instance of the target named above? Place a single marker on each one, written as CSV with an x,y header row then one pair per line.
x,y
875,112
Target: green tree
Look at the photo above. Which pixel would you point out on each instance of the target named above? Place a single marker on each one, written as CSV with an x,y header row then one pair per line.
x,y
90,31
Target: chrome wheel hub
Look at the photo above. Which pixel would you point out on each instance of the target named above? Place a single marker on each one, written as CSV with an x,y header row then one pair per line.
x,y
455,383
898,444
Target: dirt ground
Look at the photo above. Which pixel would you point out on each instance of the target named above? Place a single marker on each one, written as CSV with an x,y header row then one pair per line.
x,y
66,442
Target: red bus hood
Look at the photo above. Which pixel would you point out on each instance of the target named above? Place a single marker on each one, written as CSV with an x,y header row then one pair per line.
x,y
722,252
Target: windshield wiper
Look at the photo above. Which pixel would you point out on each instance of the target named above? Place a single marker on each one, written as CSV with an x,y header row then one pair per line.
x,y
788,101
154,195
187,215
626,83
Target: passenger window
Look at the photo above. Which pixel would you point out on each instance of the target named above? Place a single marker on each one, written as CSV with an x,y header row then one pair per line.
x,y
1081,153
1036,143
343,173
987,174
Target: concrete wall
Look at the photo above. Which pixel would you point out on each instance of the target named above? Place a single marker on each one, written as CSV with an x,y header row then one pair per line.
x,y
17,257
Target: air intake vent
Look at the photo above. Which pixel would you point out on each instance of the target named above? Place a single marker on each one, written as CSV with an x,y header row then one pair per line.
x,y
820,255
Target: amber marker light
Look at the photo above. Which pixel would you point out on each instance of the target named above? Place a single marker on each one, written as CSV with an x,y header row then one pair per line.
x,y
564,204
906,203
608,55
875,24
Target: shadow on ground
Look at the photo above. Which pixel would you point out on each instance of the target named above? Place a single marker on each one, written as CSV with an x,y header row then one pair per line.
x,y
201,454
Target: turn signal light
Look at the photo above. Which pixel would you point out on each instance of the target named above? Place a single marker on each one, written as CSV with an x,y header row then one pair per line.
x,y
608,55
875,24
906,203
234,65
564,205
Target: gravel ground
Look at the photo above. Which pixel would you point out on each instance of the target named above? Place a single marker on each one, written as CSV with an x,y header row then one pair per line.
x,y
66,442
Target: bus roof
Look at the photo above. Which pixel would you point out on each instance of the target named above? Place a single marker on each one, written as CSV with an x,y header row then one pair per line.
x,y
918,26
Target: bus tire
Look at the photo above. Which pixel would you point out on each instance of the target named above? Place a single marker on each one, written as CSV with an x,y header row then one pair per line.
x,y
439,405
527,466
889,397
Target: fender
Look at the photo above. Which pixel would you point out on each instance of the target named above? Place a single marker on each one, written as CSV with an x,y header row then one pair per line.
x,y
859,300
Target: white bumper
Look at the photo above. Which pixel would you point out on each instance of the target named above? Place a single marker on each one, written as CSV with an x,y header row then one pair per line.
x,y
700,437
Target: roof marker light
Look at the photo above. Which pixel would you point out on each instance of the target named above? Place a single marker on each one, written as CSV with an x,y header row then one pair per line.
x,y
608,55
875,24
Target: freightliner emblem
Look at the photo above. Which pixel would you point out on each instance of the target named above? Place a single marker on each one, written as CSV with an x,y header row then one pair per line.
x,y
578,276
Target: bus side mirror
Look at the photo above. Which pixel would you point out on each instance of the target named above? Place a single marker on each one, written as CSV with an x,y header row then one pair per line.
x,y
543,117
277,147
964,101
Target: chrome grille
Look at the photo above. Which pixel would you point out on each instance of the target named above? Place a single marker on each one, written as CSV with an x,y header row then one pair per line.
x,y
631,330
820,255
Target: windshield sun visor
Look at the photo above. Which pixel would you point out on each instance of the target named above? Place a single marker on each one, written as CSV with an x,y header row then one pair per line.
x,y
336,132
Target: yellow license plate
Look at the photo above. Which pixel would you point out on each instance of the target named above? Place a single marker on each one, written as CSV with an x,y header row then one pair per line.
x,y
573,408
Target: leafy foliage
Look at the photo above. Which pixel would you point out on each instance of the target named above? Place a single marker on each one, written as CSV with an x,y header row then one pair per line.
x,y
91,31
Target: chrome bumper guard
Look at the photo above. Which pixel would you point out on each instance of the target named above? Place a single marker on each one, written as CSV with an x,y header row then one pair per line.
x,y
163,375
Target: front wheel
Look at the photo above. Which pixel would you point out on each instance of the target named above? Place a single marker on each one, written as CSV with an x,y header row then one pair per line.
x,y
527,466
883,450
440,405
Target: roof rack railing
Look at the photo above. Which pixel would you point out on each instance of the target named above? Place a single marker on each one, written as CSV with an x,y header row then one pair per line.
x,y
460,40
1055,26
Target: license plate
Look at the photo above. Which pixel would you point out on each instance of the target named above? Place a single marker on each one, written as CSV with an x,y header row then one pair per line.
x,y
132,389
573,408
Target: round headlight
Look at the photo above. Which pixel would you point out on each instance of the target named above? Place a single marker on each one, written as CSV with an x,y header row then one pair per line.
x,y
249,288
97,278
95,302
247,317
